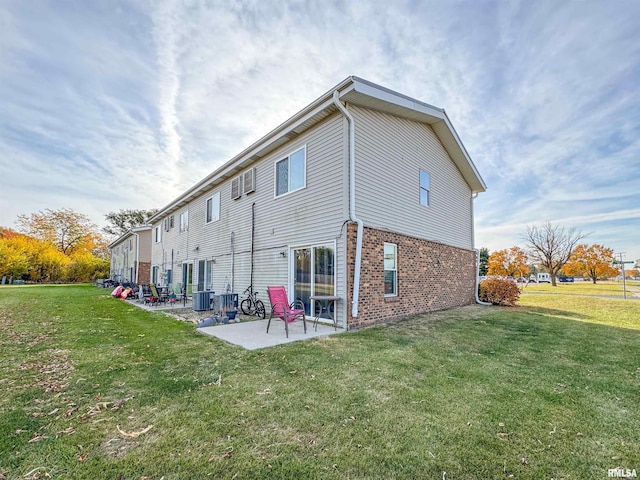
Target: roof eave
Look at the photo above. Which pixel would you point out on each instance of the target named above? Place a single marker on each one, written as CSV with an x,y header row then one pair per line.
x,y
255,151
352,89
127,234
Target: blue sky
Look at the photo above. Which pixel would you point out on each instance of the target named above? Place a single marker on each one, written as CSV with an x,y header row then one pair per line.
x,y
113,104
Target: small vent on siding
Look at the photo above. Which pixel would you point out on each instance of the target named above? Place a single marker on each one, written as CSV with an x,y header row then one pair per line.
x,y
250,181
236,187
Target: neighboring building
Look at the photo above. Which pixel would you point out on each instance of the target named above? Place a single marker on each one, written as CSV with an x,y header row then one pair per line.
x,y
360,164
131,256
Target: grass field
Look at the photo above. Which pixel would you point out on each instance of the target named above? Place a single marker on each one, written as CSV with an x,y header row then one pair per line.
x,y
95,388
582,288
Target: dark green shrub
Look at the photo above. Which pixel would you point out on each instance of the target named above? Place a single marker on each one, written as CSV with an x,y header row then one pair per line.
x,y
499,291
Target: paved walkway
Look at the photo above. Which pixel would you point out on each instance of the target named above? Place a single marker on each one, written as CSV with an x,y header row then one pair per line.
x,y
634,291
253,335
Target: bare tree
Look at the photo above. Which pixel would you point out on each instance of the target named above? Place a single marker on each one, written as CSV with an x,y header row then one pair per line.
x,y
551,246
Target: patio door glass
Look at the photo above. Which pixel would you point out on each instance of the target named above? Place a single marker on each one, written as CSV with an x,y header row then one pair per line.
x,y
323,277
201,276
313,273
302,276
187,277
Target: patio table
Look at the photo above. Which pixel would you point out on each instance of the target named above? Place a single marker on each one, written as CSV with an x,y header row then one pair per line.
x,y
330,301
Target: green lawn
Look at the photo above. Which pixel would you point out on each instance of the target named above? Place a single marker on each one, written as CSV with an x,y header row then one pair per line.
x,y
547,390
580,288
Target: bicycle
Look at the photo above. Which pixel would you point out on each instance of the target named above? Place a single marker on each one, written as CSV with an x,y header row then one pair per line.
x,y
251,305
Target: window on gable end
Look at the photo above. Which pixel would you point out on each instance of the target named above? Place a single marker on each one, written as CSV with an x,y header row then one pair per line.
x,y
425,188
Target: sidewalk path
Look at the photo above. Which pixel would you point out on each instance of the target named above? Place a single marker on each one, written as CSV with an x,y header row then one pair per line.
x,y
633,291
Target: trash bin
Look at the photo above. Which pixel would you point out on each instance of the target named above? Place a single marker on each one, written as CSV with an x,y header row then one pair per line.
x,y
227,302
201,300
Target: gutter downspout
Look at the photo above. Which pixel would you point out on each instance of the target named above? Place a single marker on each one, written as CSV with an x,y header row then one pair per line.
x,y
478,301
253,237
352,202
137,255
233,260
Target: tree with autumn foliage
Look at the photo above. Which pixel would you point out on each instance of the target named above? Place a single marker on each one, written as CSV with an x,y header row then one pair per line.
x,y
67,229
54,246
27,258
508,262
592,261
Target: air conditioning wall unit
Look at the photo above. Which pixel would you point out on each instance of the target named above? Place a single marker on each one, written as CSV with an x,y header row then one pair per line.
x,y
249,181
236,187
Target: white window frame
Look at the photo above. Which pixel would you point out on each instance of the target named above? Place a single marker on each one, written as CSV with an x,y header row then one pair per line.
x,y
275,173
157,234
184,221
424,188
209,217
395,270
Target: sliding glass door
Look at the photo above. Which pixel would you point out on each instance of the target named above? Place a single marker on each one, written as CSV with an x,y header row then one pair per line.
x,y
312,272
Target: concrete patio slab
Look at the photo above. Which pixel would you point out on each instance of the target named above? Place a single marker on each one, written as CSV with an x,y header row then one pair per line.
x,y
253,335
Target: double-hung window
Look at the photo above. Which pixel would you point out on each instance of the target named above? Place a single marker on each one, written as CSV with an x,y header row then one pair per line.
x,y
184,221
425,187
291,172
213,208
390,270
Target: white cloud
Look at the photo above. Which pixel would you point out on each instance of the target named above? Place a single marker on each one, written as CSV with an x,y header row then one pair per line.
x,y
118,105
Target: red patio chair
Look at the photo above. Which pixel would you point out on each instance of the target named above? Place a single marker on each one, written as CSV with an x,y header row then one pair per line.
x,y
282,309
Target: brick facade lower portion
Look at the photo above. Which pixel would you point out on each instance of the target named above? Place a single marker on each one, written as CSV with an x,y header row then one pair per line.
x,y
144,274
431,276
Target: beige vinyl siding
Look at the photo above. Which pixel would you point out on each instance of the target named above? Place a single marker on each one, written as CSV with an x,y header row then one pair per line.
x,y
122,259
390,151
145,245
309,216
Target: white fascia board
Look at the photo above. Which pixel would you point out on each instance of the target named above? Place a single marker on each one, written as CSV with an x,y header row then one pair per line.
x,y
120,239
463,150
386,95
127,234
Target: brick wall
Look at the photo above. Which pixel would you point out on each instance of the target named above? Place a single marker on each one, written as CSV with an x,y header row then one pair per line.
x,y
431,276
144,274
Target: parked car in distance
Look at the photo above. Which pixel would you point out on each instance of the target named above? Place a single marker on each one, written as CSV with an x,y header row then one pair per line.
x,y
564,279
